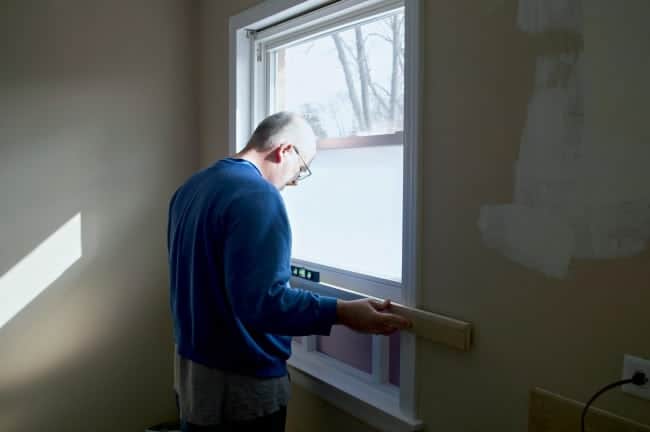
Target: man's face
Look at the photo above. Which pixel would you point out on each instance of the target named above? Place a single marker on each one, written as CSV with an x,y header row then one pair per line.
x,y
294,164
302,170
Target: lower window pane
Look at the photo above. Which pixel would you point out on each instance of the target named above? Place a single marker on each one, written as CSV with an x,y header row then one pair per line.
x,y
348,346
393,359
348,214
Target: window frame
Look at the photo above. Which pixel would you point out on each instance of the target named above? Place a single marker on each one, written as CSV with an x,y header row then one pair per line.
x,y
368,397
377,140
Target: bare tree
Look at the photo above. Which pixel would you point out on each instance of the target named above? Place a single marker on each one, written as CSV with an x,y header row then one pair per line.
x,y
349,79
396,25
310,113
364,77
372,101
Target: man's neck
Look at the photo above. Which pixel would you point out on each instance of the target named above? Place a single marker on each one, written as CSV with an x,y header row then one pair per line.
x,y
255,158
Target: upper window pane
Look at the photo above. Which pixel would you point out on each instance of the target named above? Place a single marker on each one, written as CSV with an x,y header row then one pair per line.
x,y
345,83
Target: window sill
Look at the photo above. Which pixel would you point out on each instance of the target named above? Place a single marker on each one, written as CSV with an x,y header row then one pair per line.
x,y
376,404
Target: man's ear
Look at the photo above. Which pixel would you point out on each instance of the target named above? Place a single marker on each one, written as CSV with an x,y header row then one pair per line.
x,y
276,154
283,150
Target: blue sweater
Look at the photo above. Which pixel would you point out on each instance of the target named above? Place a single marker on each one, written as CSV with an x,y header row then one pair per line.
x,y
229,245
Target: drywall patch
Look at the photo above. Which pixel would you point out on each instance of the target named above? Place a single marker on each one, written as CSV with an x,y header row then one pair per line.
x,y
571,196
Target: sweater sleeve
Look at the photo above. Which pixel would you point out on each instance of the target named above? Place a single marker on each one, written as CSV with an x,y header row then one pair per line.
x,y
257,268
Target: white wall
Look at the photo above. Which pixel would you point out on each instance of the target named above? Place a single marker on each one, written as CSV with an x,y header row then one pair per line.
x,y
98,118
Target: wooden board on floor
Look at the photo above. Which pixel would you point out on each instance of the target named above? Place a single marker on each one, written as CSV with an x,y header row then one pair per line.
x,y
549,412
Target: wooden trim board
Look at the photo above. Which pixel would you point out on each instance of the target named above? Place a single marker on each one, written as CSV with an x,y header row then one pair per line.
x,y
434,327
549,412
437,328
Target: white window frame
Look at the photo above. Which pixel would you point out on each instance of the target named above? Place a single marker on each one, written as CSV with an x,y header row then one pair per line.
x,y
367,396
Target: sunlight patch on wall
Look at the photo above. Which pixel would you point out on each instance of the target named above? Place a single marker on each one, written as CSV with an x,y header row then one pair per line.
x,y
39,269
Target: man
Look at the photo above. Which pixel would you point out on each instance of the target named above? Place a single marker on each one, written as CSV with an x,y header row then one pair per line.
x,y
233,309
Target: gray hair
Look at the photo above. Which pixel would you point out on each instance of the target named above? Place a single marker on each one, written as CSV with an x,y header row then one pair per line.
x,y
279,128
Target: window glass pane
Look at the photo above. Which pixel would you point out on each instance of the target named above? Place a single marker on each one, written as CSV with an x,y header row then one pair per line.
x,y
348,346
346,83
393,358
348,214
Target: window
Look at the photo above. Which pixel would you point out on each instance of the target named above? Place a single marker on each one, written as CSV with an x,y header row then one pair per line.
x,y
350,67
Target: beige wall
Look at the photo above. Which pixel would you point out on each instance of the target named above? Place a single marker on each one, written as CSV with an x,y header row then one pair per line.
x,y
97,113
213,76
98,117
568,336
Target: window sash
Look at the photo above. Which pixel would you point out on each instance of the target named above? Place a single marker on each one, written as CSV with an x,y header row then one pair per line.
x,y
380,370
344,283
323,21
361,141
329,19
307,350
266,42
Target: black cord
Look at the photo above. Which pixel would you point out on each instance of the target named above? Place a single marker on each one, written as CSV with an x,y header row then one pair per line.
x,y
639,379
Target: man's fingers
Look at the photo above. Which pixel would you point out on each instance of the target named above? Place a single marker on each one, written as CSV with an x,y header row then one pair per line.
x,y
389,329
401,322
396,321
378,319
380,305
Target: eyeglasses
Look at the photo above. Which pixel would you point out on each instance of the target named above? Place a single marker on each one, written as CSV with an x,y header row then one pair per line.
x,y
304,169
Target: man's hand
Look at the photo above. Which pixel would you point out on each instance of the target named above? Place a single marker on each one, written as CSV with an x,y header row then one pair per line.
x,y
369,316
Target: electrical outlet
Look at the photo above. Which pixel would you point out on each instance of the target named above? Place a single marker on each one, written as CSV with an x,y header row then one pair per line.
x,y
631,365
